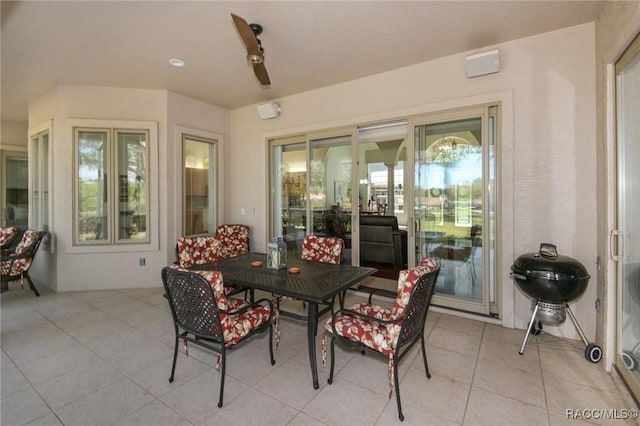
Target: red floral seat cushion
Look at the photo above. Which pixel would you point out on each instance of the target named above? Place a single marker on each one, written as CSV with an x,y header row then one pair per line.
x,y
9,267
234,326
6,234
322,249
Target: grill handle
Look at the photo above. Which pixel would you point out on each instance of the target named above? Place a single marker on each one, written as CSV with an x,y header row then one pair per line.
x,y
518,276
548,250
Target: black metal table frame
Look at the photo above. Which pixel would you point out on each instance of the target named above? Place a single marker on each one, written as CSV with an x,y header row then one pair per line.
x,y
314,284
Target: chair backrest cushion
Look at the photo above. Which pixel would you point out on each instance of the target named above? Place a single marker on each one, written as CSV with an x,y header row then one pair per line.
x,y
6,234
322,249
197,250
228,241
407,281
29,238
234,240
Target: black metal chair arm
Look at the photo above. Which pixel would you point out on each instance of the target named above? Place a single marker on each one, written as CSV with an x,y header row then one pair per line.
x,y
383,292
13,256
245,308
364,316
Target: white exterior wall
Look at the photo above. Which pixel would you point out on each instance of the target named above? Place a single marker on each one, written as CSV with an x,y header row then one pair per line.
x,y
548,164
109,267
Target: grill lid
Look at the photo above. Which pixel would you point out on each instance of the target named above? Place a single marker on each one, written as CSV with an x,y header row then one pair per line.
x,y
548,264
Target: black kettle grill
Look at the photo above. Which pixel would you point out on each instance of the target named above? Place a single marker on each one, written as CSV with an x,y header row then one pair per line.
x,y
552,281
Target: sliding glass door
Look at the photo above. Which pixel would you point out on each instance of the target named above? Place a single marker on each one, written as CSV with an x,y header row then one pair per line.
x,y
628,196
396,192
454,207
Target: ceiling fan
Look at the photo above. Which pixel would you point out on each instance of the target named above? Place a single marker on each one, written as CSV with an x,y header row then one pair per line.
x,y
255,53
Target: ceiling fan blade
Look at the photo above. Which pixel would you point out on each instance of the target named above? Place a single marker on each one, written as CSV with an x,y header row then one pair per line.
x,y
247,35
261,72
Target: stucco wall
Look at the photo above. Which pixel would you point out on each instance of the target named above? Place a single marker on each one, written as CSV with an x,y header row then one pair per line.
x,y
13,135
547,86
107,267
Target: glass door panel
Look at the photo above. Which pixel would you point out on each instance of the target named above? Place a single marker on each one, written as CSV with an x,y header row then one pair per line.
x,y
330,190
628,341
382,179
450,207
289,193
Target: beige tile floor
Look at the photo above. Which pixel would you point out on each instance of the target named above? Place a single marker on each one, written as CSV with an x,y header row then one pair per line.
x,y
104,357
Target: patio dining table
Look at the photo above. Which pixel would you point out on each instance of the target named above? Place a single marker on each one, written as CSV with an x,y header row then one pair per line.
x,y
314,283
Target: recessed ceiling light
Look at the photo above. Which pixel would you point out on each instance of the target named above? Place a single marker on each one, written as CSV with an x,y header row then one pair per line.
x,y
177,62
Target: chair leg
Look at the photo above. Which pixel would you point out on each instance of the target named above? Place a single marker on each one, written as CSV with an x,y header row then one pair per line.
x,y
175,356
397,385
33,287
273,361
222,370
424,357
332,360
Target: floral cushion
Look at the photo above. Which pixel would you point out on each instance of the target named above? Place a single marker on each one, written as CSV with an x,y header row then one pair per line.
x,y
406,281
6,234
235,327
234,239
322,249
228,241
17,267
28,238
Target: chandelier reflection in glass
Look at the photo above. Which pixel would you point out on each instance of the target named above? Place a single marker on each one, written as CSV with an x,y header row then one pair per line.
x,y
449,150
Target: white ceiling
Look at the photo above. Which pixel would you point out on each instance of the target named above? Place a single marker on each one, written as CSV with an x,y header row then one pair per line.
x,y
308,44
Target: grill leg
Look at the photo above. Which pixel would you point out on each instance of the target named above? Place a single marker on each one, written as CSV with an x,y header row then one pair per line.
x,y
575,322
526,335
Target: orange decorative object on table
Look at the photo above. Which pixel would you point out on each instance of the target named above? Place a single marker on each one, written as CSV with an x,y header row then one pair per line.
x,y
294,270
256,263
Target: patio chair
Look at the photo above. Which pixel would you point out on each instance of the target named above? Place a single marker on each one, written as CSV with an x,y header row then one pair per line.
x,y
323,250
203,315
228,241
461,250
390,333
7,235
15,266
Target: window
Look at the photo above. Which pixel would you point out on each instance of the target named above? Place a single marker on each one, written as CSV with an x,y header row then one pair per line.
x,y
112,193
199,179
39,177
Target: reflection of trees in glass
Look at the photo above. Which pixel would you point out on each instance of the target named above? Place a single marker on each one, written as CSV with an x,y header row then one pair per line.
x,y
91,157
294,188
317,190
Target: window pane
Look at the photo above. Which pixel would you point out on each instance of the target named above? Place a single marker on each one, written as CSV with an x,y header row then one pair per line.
x,y
92,196
35,182
199,159
131,152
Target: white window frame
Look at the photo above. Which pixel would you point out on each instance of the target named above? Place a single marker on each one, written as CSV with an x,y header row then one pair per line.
x,y
113,243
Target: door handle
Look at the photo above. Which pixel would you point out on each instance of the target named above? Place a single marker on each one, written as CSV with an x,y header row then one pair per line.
x,y
613,235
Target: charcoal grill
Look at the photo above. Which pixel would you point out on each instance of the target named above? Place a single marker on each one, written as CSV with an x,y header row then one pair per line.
x,y
552,281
